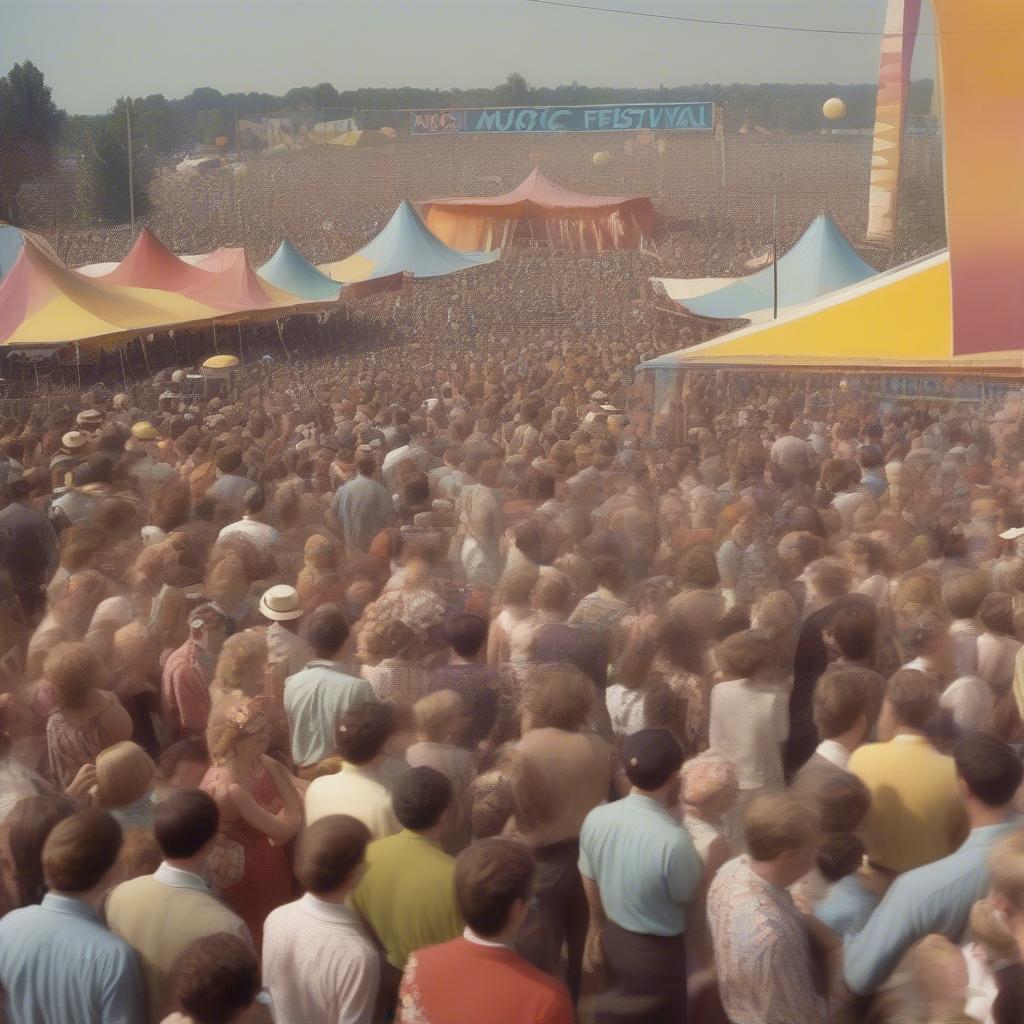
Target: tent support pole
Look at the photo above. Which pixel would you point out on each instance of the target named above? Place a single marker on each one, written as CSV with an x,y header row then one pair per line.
x,y
213,323
241,351
280,338
775,251
124,372
78,364
145,355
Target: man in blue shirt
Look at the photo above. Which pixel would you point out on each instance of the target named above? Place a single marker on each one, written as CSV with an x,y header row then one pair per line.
x,y
363,507
639,870
58,964
937,898
318,695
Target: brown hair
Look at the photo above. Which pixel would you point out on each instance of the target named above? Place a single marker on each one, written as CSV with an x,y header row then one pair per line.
x,y
214,978
912,697
552,592
328,851
28,825
242,664
743,654
1006,862
490,876
80,850
964,593
843,803
73,669
560,698
839,700
438,714
778,822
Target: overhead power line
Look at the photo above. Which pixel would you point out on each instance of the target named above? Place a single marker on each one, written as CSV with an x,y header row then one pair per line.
x,y
713,21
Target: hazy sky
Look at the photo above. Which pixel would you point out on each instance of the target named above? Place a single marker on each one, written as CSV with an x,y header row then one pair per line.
x,y
92,51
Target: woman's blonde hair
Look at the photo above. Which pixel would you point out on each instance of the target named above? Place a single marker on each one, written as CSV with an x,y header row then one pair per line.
x,y
124,774
438,715
231,719
73,669
242,664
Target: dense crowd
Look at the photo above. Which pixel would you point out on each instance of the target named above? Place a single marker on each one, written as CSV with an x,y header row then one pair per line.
x,y
422,684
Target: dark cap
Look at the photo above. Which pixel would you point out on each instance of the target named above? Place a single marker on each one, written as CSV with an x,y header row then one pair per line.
x,y
651,757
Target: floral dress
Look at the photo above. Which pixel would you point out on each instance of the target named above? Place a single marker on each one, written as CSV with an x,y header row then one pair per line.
x,y
266,881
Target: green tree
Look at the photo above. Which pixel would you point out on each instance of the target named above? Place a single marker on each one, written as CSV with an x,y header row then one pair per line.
x,y
30,126
107,192
210,124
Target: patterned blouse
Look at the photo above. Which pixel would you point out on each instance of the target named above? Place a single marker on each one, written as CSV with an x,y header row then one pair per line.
x,y
765,971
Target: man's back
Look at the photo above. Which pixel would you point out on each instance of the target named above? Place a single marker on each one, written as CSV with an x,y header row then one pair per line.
x,y
762,949
355,791
319,964
363,506
59,965
932,900
408,894
465,982
159,916
916,815
314,699
643,862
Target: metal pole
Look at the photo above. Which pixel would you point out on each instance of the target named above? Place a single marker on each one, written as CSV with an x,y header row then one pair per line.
x,y
131,163
775,250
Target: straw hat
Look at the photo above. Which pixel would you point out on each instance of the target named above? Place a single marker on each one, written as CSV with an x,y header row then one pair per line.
x,y
74,439
281,604
144,431
89,419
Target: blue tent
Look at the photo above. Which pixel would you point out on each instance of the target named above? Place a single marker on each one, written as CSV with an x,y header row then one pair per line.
x,y
405,246
290,271
821,262
10,246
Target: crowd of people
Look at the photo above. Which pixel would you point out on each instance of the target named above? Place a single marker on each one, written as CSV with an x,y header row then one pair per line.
x,y
425,684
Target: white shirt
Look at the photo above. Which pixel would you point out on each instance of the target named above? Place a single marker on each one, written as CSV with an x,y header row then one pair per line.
x,y
965,634
835,753
625,709
319,964
261,535
997,657
353,791
748,724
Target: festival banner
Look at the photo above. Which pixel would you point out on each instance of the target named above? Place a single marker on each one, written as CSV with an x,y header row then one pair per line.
x,y
665,117
981,49
901,25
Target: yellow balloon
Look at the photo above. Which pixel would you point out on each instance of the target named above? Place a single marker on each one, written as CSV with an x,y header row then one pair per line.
x,y
834,109
602,159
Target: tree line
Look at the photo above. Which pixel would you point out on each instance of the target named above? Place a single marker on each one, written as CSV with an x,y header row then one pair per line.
x,y
35,135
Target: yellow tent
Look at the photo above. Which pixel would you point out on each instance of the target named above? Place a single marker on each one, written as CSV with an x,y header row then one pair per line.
x,y
899,321
42,303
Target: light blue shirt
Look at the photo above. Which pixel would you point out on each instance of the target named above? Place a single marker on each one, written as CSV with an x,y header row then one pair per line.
x,y
930,900
643,862
59,965
847,907
313,701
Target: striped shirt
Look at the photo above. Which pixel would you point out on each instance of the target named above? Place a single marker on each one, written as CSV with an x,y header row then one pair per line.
x,y
319,964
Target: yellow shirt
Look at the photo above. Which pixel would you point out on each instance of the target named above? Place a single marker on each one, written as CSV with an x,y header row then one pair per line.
x,y
407,895
916,814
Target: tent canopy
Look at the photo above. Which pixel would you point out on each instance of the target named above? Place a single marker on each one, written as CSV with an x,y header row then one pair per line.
x,y
598,222
288,270
223,279
42,303
820,262
899,321
150,264
11,241
405,246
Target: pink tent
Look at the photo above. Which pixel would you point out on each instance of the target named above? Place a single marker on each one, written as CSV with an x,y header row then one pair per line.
x,y
538,209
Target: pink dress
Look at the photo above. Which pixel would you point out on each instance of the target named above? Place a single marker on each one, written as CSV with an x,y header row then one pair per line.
x,y
267,881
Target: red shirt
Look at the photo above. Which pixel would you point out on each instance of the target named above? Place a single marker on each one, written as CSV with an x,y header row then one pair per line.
x,y
464,982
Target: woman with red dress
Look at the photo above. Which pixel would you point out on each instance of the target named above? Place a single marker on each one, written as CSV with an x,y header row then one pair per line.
x,y
260,812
